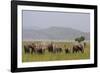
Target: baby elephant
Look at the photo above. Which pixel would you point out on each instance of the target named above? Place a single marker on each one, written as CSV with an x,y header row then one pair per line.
x,y
57,50
67,50
77,48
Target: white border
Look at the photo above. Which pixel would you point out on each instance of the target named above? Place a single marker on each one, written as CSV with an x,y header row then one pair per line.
x,y
53,63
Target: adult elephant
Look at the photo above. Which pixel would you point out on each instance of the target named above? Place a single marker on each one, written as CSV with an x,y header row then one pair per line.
x,y
50,48
77,48
29,48
39,49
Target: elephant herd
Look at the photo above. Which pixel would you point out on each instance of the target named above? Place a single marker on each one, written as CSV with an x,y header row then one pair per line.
x,y
39,49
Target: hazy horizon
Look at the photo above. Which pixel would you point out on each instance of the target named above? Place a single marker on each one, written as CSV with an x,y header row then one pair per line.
x,y
44,20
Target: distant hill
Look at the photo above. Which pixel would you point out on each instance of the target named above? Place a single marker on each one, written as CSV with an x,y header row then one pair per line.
x,y
53,33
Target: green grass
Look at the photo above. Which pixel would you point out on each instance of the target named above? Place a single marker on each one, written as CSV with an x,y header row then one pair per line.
x,y
56,56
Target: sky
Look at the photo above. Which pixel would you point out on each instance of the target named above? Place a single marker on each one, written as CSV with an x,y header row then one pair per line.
x,y
44,19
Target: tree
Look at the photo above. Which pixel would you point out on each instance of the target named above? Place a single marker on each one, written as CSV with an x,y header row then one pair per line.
x,y
80,39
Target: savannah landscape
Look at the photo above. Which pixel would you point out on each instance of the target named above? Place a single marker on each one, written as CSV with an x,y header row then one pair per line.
x,y
51,36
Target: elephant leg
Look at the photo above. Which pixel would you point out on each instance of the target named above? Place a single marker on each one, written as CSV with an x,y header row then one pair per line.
x,y
32,50
82,51
73,51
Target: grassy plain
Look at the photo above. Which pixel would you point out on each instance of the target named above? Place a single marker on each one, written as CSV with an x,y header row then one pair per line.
x,y
47,56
